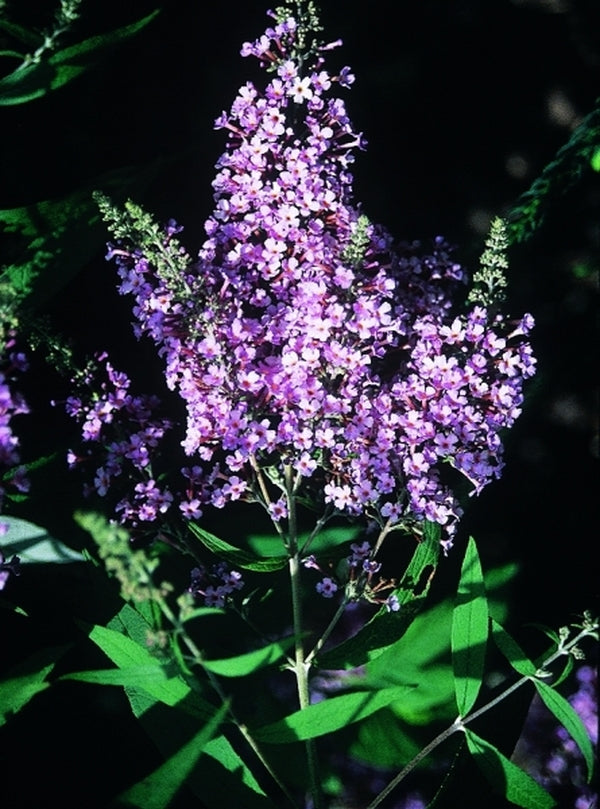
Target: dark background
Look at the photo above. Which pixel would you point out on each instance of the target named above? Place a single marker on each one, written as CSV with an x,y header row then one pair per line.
x,y
463,103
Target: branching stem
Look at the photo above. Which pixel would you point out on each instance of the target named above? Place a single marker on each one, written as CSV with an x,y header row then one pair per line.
x,y
198,659
460,723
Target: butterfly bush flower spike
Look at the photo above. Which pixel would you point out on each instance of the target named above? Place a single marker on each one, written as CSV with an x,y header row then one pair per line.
x,y
317,358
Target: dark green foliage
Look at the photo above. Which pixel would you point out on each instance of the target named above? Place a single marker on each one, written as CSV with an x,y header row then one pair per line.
x,y
573,162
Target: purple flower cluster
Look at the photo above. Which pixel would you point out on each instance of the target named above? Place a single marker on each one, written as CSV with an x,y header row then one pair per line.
x,y
304,342
12,404
215,585
129,432
360,581
12,474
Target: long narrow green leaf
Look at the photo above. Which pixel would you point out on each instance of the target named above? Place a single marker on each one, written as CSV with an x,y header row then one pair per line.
x,y
570,720
420,657
325,541
232,781
506,777
469,631
129,621
157,790
125,654
27,679
241,787
59,237
236,556
329,715
30,39
139,676
244,664
33,544
202,612
512,651
16,692
570,164
35,80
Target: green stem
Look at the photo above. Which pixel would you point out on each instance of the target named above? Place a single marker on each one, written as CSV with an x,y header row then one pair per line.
x,y
456,725
301,664
382,535
243,729
321,642
264,492
316,530
459,723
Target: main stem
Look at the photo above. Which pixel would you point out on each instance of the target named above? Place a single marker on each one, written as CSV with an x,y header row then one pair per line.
x,y
301,664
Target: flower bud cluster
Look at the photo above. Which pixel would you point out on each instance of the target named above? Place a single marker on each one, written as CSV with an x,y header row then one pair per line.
x,y
303,341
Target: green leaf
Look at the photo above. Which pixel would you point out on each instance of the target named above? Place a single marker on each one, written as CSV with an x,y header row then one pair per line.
x,y
469,631
512,651
328,540
569,664
328,716
432,700
141,676
419,574
324,542
236,556
244,664
239,787
570,720
386,627
231,779
506,777
126,654
128,621
570,165
33,544
60,236
157,790
202,612
25,680
27,37
384,741
421,657
5,604
15,692
498,582
35,80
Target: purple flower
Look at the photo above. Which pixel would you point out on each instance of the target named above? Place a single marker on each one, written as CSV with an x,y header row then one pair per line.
x,y
392,604
326,587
